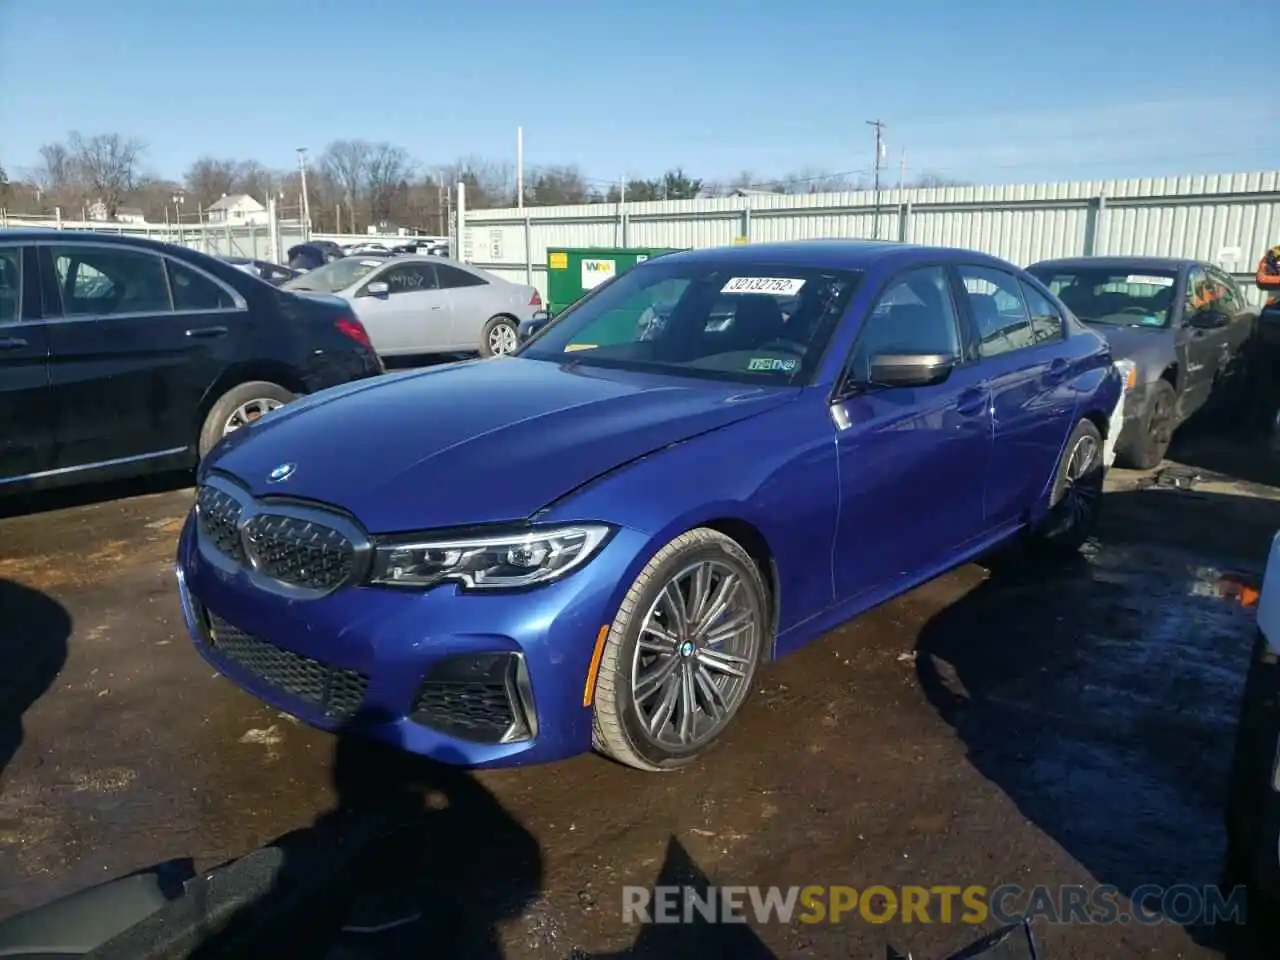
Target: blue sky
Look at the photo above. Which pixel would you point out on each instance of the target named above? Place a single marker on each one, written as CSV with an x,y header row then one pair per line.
x,y
993,92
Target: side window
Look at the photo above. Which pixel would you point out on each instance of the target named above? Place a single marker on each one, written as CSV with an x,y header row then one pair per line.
x,y
409,278
915,314
10,284
1200,293
1046,322
451,277
195,291
995,300
1228,293
104,281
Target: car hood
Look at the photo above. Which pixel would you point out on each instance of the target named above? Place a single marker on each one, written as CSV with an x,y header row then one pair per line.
x,y
475,442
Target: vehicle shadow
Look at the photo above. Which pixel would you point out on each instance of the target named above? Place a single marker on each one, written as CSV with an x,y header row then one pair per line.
x,y
416,858
34,630
82,495
699,939
1101,693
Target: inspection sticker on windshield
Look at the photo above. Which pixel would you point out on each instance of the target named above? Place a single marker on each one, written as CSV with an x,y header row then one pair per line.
x,y
1152,281
778,286
768,364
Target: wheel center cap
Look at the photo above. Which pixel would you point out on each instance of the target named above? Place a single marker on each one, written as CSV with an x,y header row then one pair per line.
x,y
687,648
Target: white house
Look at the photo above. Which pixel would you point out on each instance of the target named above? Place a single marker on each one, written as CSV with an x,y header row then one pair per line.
x,y
98,211
238,209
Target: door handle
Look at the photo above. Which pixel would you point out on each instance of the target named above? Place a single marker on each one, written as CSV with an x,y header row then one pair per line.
x,y
1057,371
207,332
972,402
12,343
437,307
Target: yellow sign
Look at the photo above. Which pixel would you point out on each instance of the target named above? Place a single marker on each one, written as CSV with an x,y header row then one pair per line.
x,y
558,261
741,239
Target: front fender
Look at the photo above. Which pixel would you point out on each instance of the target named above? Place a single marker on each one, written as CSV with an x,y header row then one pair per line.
x,y
775,472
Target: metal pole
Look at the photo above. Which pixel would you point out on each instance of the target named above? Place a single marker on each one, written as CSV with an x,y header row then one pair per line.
x,y
878,126
528,251
460,252
622,199
306,202
902,170
520,168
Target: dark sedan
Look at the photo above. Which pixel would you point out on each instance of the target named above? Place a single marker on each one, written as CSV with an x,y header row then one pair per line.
x,y
273,273
120,355
1178,327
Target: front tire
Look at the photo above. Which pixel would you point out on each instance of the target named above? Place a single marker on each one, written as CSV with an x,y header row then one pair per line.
x,y
500,337
681,655
1151,443
1076,494
239,407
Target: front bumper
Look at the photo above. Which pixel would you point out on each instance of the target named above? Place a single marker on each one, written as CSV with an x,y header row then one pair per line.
x,y
395,665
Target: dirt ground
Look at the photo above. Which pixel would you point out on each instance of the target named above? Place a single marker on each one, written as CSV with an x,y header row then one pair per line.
x,y
1003,724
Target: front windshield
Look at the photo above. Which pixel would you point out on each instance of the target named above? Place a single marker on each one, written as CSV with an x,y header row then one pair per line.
x,y
334,276
745,322
1113,296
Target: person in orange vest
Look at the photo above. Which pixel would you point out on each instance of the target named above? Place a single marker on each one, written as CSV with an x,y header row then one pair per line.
x,y
1268,275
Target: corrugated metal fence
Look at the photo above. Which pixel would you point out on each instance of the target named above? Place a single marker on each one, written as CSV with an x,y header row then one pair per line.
x,y
1228,219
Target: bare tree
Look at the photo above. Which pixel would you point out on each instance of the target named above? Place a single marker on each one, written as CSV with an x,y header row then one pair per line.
x,y
387,171
55,177
108,163
552,186
928,179
489,183
209,179
253,178
346,163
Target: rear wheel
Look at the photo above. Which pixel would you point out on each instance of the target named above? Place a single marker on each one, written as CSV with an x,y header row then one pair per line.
x,y
239,407
500,337
1076,495
681,654
1151,442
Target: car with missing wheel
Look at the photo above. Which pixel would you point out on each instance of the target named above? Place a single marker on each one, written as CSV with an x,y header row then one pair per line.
x,y
121,356
416,305
1179,329
599,540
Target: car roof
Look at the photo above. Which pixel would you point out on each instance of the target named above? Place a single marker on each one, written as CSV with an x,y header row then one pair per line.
x,y
1117,263
29,234
831,254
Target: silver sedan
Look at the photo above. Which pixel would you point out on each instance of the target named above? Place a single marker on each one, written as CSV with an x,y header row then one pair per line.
x,y
418,305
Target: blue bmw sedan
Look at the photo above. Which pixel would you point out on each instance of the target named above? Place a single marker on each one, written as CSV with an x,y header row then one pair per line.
x,y
597,541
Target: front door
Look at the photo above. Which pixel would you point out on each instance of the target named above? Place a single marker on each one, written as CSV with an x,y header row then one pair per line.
x,y
913,460
26,413
413,316
141,340
1203,349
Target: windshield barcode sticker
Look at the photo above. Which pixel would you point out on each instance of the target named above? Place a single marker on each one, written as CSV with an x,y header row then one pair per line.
x,y
777,286
1152,281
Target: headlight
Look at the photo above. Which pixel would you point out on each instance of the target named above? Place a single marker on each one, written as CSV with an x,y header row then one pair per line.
x,y
519,559
1128,371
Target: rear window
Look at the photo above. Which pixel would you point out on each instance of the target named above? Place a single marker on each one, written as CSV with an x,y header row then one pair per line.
x,y
1114,296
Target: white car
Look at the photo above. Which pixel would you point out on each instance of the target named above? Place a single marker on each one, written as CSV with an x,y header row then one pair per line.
x,y
414,305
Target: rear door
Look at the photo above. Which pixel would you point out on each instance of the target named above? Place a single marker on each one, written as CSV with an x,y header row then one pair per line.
x,y
141,340
1033,410
412,317
474,300
26,414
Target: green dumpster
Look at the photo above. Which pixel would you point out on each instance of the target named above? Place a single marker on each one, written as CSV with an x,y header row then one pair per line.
x,y
574,271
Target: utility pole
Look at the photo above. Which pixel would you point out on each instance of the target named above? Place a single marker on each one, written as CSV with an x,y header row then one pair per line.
x,y
878,126
520,168
902,171
306,202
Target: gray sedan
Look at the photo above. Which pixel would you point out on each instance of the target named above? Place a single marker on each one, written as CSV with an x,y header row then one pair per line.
x,y
417,305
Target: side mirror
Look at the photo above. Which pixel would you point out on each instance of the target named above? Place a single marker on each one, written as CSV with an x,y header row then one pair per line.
x,y
1208,319
377,289
911,369
529,327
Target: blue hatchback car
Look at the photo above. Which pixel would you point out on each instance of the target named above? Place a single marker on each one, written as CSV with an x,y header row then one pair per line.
x,y
598,541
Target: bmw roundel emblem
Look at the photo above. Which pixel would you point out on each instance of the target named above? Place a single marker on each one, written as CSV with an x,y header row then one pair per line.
x,y
282,472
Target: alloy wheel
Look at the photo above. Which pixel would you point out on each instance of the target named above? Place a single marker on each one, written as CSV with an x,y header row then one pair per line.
x,y
694,657
248,412
1082,483
502,339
